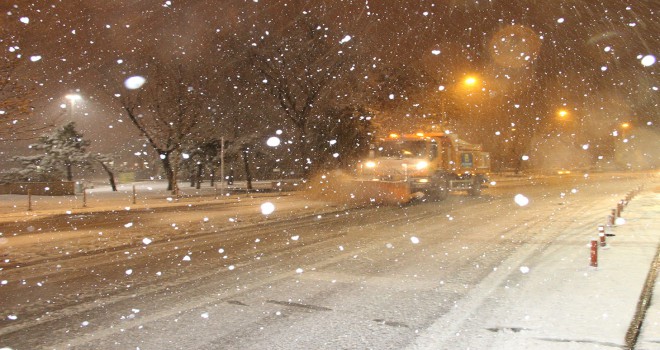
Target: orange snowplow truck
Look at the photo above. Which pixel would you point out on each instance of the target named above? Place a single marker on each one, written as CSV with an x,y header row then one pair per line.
x,y
426,165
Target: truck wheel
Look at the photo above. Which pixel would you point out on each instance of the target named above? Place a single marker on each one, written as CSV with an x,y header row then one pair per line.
x,y
475,187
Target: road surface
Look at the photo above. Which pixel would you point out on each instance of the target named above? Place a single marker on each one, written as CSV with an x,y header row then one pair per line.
x,y
214,276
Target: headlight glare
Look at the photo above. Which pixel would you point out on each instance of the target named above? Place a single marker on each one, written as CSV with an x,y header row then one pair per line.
x,y
421,165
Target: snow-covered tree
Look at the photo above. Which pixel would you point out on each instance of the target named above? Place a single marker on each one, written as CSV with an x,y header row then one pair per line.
x,y
59,153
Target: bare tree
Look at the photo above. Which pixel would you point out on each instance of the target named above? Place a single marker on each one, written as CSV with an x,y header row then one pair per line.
x,y
343,137
300,68
106,163
16,119
168,110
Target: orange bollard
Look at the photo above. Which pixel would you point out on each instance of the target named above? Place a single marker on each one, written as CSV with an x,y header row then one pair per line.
x,y
594,253
602,239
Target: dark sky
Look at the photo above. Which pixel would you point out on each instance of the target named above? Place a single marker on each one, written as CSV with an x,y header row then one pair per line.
x,y
581,53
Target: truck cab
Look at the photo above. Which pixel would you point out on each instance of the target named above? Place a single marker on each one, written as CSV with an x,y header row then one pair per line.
x,y
430,164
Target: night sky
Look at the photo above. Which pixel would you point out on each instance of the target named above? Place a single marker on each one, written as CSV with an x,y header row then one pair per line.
x,y
533,57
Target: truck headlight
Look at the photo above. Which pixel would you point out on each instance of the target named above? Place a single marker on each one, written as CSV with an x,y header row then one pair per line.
x,y
421,165
370,164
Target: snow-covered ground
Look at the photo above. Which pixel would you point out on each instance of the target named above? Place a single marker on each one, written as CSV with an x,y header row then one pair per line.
x,y
543,296
235,207
591,308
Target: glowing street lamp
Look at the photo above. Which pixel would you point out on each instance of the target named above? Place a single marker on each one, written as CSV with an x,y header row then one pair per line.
x,y
472,84
73,98
562,113
470,81
624,127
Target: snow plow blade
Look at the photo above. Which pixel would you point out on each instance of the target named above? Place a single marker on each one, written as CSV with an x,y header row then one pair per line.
x,y
382,192
342,188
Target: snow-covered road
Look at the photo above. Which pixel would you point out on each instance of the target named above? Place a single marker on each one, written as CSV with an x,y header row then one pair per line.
x,y
310,275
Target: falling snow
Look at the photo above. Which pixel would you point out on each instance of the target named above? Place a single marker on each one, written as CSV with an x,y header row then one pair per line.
x,y
273,141
648,60
521,200
134,82
346,39
562,96
267,208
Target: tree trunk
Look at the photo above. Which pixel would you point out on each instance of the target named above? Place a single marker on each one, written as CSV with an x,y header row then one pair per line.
x,y
111,176
167,168
246,164
175,170
198,176
304,152
212,175
69,172
193,179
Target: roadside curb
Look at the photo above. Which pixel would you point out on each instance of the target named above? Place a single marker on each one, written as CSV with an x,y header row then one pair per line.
x,y
634,331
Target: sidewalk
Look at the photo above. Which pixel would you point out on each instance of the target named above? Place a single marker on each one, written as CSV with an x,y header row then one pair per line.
x,y
649,337
558,301
22,244
148,194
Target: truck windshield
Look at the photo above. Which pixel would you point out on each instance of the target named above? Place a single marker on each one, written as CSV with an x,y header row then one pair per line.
x,y
402,149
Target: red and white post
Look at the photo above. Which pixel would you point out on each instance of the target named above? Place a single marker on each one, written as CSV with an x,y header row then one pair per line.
x,y
601,235
594,253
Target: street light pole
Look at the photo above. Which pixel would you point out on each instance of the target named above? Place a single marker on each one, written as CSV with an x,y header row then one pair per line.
x,y
443,111
222,167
